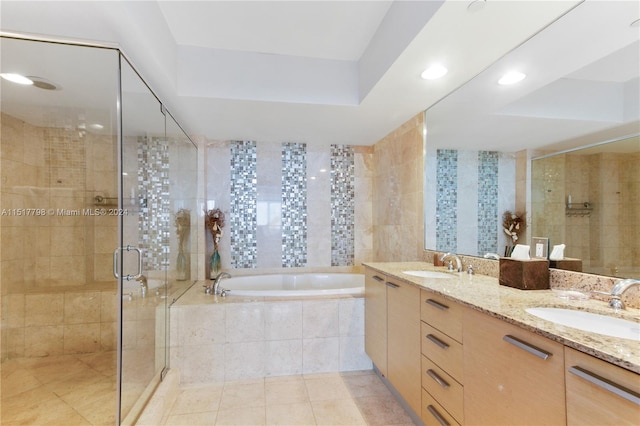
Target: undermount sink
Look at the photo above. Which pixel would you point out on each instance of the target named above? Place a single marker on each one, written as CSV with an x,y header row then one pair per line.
x,y
428,274
587,321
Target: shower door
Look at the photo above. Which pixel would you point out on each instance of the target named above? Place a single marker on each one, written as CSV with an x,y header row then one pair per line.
x,y
141,260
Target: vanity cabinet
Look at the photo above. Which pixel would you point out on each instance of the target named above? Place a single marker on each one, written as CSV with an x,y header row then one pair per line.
x,y
511,376
442,360
375,319
403,341
600,393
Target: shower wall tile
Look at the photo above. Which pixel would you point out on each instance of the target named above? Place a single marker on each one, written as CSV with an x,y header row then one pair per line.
x,y
243,221
43,341
83,307
81,338
153,197
44,309
294,205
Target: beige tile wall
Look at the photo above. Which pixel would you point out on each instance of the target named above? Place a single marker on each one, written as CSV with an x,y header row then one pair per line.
x,y
44,255
398,230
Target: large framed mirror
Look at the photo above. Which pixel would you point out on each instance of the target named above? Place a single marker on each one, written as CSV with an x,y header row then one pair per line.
x,y
581,88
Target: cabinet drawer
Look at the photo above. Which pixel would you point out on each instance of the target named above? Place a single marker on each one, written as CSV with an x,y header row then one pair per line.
x,y
444,388
600,393
433,414
443,351
442,314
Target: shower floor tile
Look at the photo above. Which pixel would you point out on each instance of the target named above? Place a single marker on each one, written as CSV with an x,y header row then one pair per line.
x,y
358,398
69,390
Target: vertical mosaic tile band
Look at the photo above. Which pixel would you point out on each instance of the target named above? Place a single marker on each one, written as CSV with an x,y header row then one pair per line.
x,y
153,190
446,200
244,198
342,205
294,205
488,202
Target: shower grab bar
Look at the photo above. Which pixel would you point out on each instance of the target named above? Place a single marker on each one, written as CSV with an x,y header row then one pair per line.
x,y
115,262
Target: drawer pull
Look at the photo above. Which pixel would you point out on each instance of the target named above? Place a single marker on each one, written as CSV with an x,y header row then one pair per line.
x,y
437,341
437,416
377,278
527,347
606,384
436,304
439,380
392,285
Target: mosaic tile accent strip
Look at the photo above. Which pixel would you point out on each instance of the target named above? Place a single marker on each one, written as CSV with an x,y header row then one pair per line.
x,y
446,200
65,156
153,187
294,204
342,205
488,201
243,226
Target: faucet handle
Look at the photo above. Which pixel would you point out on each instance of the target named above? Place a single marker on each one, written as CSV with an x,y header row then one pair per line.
x,y
470,269
207,289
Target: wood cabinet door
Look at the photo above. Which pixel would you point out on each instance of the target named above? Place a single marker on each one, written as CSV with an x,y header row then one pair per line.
x,y
511,376
375,319
599,393
403,340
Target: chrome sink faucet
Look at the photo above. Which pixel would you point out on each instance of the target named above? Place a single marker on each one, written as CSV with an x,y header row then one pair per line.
x,y
216,282
618,290
454,257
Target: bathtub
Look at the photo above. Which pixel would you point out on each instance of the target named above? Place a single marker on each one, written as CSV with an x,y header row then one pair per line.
x,y
307,284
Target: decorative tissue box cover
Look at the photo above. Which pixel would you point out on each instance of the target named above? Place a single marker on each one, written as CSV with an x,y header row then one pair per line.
x,y
532,274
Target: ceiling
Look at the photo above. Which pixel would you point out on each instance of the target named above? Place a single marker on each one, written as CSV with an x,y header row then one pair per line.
x,y
347,71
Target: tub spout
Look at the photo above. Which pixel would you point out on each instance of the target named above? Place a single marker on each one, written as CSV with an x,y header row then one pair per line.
x,y
216,282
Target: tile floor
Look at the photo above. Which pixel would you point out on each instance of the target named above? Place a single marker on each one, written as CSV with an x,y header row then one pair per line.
x,y
60,390
354,398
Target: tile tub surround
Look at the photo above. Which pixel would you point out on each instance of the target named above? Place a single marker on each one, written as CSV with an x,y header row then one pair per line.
x,y
215,339
483,293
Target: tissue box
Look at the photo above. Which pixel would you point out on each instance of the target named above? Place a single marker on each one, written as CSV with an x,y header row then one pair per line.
x,y
532,274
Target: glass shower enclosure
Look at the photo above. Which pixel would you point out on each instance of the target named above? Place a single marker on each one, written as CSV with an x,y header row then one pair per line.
x,y
97,196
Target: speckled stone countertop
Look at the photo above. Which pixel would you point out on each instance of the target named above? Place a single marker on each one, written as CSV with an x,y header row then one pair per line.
x,y
484,294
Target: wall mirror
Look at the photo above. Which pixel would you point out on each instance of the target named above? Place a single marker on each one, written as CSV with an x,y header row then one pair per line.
x,y
480,139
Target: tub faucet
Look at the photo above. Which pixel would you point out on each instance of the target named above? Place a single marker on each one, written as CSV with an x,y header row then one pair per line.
x,y
454,257
216,282
143,285
618,290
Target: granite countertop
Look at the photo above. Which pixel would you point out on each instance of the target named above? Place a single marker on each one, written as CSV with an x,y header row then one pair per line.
x,y
485,294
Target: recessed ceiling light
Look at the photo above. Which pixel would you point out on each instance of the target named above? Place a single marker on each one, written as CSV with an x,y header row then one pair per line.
x,y
16,78
511,78
433,72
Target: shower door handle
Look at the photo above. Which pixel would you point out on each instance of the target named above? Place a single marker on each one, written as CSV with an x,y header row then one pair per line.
x,y
115,262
